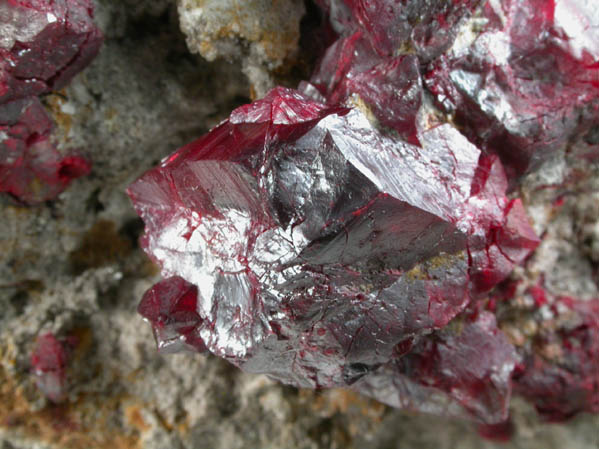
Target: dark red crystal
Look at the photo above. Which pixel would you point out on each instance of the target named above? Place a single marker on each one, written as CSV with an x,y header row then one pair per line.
x,y
31,168
42,46
345,233
463,370
428,27
527,83
171,307
391,87
318,244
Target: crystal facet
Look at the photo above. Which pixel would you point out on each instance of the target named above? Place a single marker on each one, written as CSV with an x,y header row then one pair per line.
x,y
319,246
31,168
527,83
351,232
42,46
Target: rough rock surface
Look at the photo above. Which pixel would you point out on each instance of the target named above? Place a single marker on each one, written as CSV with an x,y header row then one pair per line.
x,y
72,267
262,34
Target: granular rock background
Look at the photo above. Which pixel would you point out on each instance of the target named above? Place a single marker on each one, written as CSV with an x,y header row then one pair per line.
x,y
73,267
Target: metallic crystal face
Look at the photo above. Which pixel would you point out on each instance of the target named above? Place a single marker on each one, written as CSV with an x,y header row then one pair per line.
x,y
321,245
448,360
527,82
345,234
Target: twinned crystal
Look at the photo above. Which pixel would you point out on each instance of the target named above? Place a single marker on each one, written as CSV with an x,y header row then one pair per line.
x,y
43,44
348,233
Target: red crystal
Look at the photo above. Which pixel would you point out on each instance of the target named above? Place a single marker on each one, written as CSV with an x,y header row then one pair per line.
x,y
528,82
344,234
49,362
318,244
31,168
42,46
429,27
460,371
171,307
391,87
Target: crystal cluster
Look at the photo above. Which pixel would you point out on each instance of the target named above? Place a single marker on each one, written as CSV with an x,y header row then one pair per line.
x,y
563,378
344,234
558,370
528,82
42,46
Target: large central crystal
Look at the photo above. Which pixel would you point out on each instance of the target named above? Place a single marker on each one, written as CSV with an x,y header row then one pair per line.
x,y
299,241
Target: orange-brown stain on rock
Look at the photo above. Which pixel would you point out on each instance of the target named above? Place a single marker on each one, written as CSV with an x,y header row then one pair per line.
x,y
330,402
135,419
54,104
84,424
101,245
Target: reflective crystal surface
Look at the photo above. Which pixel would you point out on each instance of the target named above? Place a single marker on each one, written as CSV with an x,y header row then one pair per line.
x,y
42,46
527,83
322,250
351,232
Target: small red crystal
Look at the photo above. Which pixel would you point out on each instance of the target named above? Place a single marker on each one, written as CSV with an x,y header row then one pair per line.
x,y
31,168
171,307
49,362
44,44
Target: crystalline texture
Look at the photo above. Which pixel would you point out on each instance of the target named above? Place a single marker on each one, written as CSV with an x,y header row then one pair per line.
x,y
171,307
31,168
528,82
428,26
390,87
439,374
320,247
42,46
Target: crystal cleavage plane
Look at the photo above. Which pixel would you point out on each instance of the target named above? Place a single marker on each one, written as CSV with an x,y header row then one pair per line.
x,y
299,241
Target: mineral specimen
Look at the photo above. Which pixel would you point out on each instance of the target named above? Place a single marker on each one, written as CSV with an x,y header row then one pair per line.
x,y
348,233
48,362
42,46
31,168
319,246
526,84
